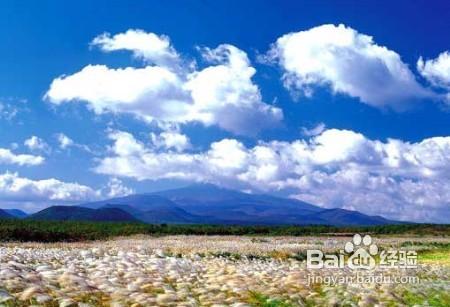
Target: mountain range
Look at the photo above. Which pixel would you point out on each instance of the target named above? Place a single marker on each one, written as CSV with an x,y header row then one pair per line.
x,y
208,204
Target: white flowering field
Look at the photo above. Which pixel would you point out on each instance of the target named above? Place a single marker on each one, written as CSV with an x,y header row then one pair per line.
x,y
209,271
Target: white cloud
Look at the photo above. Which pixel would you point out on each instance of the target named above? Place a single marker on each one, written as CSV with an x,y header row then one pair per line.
x,y
337,168
222,94
436,71
64,141
170,140
348,62
225,94
152,48
116,188
8,157
316,130
133,159
36,194
35,143
146,92
32,195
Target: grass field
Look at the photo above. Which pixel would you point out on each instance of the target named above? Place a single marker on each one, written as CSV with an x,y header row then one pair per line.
x,y
214,270
114,264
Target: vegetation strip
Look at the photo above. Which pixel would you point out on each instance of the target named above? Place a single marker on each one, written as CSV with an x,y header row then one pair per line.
x,y
71,231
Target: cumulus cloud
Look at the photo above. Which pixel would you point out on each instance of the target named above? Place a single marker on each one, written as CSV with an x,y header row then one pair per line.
x,y
116,188
150,47
33,195
436,71
337,168
226,95
150,92
8,157
349,63
36,194
170,140
35,143
64,141
221,94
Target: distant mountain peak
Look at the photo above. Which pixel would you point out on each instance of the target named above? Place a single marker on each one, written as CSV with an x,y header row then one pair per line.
x,y
208,203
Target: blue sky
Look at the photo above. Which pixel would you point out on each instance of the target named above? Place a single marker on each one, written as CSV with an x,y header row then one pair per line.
x,y
323,101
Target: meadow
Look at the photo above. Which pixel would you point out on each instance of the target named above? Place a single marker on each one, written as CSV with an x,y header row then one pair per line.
x,y
107,264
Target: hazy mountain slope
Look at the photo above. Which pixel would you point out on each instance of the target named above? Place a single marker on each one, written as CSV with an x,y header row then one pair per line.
x,y
209,204
16,213
148,208
5,215
72,213
211,195
228,205
341,217
141,202
159,213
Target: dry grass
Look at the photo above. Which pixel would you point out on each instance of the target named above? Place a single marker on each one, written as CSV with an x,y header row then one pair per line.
x,y
207,271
